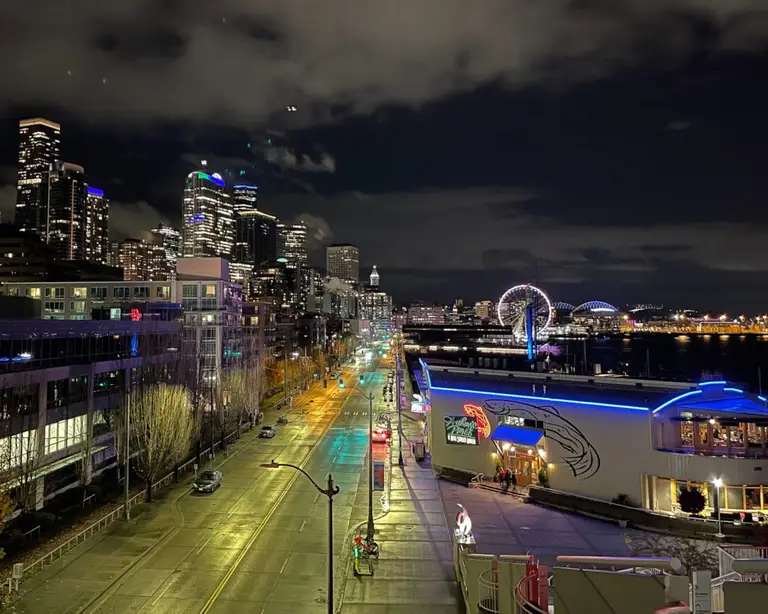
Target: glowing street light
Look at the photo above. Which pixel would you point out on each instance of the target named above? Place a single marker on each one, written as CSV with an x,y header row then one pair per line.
x,y
718,483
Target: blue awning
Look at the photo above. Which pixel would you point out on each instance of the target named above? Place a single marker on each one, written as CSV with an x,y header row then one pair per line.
x,y
516,434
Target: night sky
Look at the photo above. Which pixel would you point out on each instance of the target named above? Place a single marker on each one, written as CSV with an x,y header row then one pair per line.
x,y
603,149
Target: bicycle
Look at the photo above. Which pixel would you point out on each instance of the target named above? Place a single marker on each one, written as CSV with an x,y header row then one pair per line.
x,y
367,549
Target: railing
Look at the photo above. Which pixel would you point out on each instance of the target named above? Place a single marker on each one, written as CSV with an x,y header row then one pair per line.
x,y
752,452
522,598
477,479
103,522
488,591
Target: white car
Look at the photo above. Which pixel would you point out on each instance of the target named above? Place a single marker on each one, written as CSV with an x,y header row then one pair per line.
x,y
268,432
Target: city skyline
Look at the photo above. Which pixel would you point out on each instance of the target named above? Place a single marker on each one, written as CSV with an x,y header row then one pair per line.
x,y
600,165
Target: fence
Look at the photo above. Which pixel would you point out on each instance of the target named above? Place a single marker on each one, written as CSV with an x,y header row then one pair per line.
x,y
103,522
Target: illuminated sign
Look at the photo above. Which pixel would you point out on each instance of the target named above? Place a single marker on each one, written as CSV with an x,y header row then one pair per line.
x,y
95,192
135,315
483,424
461,429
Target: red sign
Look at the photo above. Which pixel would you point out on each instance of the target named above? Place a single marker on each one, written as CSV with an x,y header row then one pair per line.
x,y
483,424
135,315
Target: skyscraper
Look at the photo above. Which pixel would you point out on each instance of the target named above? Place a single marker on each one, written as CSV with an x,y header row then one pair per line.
x,y
39,144
63,219
374,278
292,243
133,256
208,229
256,238
343,261
170,240
96,226
245,197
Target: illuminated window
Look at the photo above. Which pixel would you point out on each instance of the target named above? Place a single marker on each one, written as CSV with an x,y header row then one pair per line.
x,y
54,293
163,292
78,292
77,306
209,290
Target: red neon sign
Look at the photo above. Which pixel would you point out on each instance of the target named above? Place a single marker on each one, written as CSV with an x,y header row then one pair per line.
x,y
483,424
135,315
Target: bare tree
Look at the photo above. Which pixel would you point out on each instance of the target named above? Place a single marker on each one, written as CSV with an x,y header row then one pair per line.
x,y
161,429
233,397
694,554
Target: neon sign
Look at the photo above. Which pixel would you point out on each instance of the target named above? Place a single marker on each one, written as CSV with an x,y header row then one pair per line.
x,y
483,424
135,315
463,523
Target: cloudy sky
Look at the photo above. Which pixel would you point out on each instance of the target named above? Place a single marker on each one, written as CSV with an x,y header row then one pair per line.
x,y
604,149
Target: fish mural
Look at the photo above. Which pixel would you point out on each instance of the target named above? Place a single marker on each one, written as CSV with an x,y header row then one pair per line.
x,y
579,454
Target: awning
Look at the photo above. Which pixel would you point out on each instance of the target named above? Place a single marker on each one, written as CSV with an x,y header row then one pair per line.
x,y
517,435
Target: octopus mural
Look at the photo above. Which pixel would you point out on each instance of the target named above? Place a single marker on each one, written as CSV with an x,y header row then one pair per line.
x,y
579,454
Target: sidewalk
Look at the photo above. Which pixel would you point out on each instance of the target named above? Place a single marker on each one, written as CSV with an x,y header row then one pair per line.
x,y
415,568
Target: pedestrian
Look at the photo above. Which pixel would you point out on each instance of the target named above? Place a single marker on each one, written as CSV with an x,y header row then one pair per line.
x,y
513,481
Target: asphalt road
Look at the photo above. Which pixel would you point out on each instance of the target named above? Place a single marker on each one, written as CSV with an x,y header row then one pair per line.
x,y
258,544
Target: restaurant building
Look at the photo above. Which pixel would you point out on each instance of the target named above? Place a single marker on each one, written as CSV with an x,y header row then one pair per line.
x,y
602,436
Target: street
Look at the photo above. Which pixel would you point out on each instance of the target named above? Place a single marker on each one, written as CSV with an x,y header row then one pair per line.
x,y
258,544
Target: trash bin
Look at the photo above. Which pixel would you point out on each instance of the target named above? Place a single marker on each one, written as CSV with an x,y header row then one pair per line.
x,y
418,450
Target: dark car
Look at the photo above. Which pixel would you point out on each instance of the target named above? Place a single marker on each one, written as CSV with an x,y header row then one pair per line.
x,y
208,481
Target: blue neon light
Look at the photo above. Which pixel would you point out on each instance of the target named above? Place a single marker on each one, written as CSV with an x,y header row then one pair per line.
x,y
425,370
763,399
734,390
211,178
713,383
690,393
551,399
95,192
246,187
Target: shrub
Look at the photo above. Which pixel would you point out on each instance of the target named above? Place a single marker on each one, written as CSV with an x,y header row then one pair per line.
x,y
691,500
544,477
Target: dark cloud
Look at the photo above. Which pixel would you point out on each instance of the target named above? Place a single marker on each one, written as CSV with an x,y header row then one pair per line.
x,y
243,61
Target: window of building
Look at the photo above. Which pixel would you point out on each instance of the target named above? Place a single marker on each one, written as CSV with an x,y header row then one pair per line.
x,y
13,292
121,292
209,290
163,292
189,291
79,292
65,433
99,293
54,293
54,306
141,292
33,292
77,306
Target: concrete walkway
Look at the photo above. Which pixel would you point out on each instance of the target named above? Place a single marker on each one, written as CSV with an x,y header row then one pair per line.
x,y
415,568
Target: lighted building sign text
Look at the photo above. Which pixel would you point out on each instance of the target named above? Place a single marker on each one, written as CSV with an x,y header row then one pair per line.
x,y
461,429
483,424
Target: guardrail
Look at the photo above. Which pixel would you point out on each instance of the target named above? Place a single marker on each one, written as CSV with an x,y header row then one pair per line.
x,y
103,522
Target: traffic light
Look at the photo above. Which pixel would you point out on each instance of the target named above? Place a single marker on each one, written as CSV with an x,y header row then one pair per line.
x,y
341,383
362,380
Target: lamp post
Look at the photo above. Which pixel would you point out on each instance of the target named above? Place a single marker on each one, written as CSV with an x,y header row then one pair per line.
x,y
331,491
370,528
400,460
718,483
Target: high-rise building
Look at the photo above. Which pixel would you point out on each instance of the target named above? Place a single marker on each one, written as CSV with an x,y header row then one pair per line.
x,y
133,256
256,238
208,218
245,197
170,240
64,215
374,278
96,226
292,243
343,261
426,313
39,144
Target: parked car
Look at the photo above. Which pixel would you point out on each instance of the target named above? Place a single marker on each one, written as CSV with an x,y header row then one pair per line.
x,y
208,481
381,435
268,431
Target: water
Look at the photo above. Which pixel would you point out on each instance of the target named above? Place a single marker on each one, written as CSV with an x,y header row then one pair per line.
x,y
677,357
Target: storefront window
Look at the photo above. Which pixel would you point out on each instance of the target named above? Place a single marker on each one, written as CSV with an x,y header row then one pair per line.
x,y
734,498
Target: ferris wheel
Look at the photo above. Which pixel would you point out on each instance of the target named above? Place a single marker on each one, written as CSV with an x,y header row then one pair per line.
x,y
514,303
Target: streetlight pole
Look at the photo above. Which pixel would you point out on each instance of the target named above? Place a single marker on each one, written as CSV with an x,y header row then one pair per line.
x,y
370,529
717,482
126,485
400,460
331,491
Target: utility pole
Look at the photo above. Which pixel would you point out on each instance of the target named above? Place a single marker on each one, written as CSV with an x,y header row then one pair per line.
x,y
370,530
400,460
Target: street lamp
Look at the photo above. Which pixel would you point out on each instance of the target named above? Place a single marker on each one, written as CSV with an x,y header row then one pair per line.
x,y
718,483
400,460
370,528
331,491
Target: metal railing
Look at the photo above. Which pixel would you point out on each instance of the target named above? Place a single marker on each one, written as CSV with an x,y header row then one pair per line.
x,y
488,592
103,522
522,598
478,479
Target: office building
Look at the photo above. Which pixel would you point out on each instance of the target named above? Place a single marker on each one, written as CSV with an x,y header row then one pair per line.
x,y
208,217
245,197
292,243
374,278
96,226
39,145
256,238
343,262
484,311
64,224
170,241
425,313
133,256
